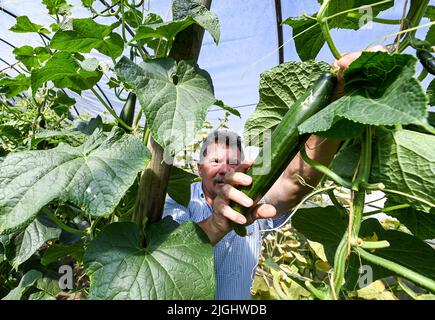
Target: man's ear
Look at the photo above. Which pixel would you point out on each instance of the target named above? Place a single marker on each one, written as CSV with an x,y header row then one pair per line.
x,y
199,166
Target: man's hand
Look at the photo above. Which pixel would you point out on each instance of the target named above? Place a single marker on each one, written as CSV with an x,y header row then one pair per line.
x,y
223,217
287,191
344,62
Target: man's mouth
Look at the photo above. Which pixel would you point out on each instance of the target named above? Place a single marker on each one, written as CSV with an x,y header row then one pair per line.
x,y
218,181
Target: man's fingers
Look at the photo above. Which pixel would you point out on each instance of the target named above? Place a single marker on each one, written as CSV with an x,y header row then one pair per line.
x,y
230,193
377,48
221,207
263,211
243,166
347,59
237,178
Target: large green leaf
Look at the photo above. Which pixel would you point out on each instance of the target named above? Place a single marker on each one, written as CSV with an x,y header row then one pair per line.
x,y
49,283
405,161
163,30
404,249
346,160
133,17
34,236
307,35
421,224
86,35
93,176
11,87
65,72
175,98
202,16
381,89
355,19
227,108
26,282
160,35
58,251
280,87
41,295
24,25
179,185
31,57
54,6
325,225
177,262
306,31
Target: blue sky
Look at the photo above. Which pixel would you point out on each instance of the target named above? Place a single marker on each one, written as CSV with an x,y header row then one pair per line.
x,y
248,47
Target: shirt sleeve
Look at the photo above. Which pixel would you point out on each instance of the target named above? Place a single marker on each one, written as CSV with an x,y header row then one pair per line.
x,y
178,212
270,223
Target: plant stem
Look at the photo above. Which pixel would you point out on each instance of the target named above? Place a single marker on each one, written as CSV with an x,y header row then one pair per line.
x,y
386,21
407,290
339,265
335,202
146,135
325,170
61,224
397,41
400,193
422,75
323,23
357,212
319,294
415,14
355,9
377,20
121,7
388,209
111,111
398,269
373,244
400,32
138,117
365,162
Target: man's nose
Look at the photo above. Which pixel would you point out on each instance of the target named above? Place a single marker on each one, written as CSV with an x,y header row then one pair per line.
x,y
225,167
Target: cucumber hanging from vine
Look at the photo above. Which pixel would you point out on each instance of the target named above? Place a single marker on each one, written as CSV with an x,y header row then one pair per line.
x,y
127,112
427,60
285,142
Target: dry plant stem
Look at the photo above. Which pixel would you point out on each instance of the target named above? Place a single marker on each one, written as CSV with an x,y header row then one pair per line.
x,y
154,180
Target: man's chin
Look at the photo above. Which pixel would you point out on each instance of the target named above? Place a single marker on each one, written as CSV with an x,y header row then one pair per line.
x,y
218,185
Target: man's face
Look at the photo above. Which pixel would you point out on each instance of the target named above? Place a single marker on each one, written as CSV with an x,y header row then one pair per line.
x,y
219,160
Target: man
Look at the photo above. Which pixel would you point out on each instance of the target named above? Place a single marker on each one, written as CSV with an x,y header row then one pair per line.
x,y
235,257
221,169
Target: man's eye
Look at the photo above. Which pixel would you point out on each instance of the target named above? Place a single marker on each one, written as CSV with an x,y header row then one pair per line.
x,y
215,161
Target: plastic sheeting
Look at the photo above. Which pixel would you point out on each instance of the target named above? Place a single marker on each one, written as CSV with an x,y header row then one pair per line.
x,y
248,46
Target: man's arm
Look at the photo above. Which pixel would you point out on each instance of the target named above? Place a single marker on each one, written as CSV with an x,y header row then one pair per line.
x,y
288,190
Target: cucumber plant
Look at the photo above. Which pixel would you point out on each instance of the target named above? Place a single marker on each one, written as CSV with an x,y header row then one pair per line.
x,y
84,190
385,126
73,188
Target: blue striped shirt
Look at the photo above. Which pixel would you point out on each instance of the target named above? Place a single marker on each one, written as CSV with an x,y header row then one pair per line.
x,y
235,258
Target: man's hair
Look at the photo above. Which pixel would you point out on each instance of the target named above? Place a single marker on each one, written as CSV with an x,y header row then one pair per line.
x,y
221,136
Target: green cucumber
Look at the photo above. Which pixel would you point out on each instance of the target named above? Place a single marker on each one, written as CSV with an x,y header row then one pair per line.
x,y
427,60
285,142
127,112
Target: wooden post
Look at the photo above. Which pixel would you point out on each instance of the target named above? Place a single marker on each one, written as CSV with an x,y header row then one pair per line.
x,y
154,180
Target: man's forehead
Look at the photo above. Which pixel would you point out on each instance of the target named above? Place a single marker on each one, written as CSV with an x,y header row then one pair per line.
x,y
221,149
